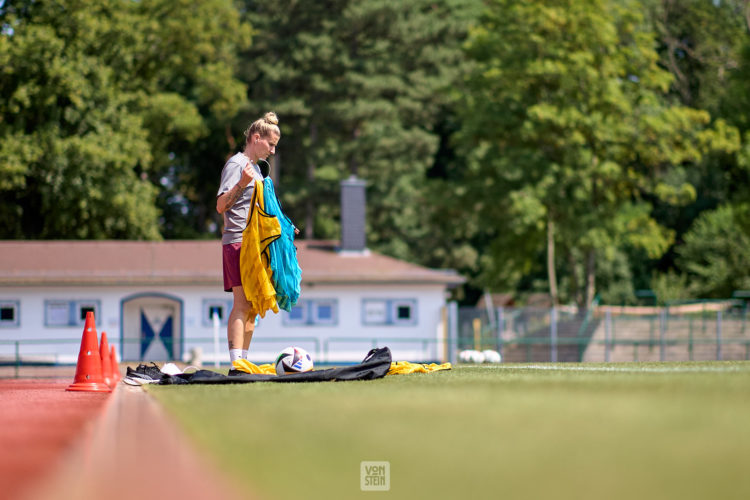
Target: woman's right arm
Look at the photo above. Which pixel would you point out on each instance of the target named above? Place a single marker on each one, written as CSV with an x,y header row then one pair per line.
x,y
226,200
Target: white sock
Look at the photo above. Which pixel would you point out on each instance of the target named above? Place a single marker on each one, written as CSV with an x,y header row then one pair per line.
x,y
244,353
235,354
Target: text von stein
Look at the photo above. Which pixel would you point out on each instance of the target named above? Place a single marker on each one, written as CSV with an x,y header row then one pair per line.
x,y
375,476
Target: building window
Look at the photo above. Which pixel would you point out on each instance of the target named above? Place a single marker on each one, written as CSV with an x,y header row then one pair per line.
x,y
56,313
80,309
323,312
69,312
9,313
220,307
403,312
313,312
375,312
218,312
389,312
296,316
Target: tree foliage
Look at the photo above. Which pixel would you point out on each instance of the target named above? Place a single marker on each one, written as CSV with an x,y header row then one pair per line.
x,y
699,43
572,146
716,252
361,88
571,131
100,100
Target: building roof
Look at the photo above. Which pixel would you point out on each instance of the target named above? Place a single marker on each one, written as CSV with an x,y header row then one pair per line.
x,y
198,262
322,263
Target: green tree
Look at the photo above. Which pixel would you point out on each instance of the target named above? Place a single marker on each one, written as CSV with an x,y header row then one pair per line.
x,y
571,133
361,88
701,45
716,252
100,100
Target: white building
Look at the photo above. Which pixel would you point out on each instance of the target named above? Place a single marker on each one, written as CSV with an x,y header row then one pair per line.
x,y
157,300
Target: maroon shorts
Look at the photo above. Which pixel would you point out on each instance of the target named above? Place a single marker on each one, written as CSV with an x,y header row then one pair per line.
x,y
231,258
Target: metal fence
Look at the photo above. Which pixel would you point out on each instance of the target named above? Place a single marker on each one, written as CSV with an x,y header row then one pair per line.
x,y
705,330
40,357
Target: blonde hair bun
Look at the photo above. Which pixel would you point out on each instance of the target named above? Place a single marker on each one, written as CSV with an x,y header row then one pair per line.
x,y
271,118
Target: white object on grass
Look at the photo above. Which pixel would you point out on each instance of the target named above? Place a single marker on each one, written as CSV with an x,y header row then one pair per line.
x,y
491,356
293,360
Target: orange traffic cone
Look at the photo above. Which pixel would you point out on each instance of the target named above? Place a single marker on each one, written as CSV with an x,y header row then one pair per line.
x,y
106,360
89,367
115,366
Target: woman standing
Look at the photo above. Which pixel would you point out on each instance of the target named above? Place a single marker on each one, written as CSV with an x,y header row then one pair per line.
x,y
233,201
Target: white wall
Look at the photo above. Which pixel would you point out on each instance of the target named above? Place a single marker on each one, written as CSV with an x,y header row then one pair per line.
x,y
63,343
416,342
409,343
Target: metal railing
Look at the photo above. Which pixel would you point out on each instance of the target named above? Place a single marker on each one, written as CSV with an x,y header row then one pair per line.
x,y
707,330
19,354
699,330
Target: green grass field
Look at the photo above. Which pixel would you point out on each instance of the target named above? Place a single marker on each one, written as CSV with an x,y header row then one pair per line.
x,y
635,430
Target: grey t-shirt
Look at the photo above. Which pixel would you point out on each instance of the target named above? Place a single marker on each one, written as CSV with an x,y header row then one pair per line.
x,y
235,219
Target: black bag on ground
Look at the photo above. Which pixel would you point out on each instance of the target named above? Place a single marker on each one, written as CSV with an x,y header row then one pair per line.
x,y
375,365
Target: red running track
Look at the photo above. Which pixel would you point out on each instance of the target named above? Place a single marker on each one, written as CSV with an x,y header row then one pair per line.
x,y
94,446
39,421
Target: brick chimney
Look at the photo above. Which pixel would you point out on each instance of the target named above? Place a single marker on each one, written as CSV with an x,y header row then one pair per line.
x,y
353,215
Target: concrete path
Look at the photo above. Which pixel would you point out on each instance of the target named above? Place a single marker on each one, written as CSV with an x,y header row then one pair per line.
x,y
135,452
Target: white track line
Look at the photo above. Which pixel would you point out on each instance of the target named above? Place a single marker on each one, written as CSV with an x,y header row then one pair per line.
x,y
627,369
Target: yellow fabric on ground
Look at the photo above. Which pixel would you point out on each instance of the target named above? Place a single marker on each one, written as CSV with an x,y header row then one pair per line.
x,y
246,366
404,367
255,266
397,367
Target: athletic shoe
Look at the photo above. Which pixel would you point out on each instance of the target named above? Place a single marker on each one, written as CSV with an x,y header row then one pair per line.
x,y
145,372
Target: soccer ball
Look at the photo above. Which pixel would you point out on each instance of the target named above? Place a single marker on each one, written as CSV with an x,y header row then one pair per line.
x,y
293,360
471,356
491,356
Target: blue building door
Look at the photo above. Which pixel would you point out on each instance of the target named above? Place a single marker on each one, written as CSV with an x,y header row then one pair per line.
x,y
151,328
157,338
